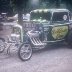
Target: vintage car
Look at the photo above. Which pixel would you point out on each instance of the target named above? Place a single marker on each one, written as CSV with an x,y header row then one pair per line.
x,y
46,26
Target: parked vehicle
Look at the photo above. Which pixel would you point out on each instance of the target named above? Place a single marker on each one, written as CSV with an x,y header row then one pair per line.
x,y
5,30
11,35
46,26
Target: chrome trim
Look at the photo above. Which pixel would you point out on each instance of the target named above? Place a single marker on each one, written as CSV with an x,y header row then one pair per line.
x,y
59,24
52,41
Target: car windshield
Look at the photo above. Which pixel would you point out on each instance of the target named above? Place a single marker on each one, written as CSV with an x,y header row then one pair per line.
x,y
60,16
43,16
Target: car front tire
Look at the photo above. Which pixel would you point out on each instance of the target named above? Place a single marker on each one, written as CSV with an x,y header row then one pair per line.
x,y
25,52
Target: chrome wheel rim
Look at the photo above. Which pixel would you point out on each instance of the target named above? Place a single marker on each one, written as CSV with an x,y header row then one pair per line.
x,y
26,51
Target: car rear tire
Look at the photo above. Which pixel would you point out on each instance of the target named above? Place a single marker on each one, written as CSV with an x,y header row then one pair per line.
x,y
25,52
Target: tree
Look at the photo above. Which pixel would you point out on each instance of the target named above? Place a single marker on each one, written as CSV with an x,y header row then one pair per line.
x,y
5,6
57,3
19,5
68,4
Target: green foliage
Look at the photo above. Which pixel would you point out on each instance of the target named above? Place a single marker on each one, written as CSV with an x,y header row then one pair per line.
x,y
19,4
68,4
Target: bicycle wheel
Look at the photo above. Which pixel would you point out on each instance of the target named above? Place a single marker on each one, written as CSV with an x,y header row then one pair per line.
x,y
2,45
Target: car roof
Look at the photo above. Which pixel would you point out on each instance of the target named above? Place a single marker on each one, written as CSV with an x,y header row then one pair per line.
x,y
50,10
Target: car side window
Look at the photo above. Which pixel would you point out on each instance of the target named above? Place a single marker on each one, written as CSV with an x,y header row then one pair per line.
x,y
60,16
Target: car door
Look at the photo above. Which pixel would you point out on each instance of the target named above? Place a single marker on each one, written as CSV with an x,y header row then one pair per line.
x,y
60,25
59,31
